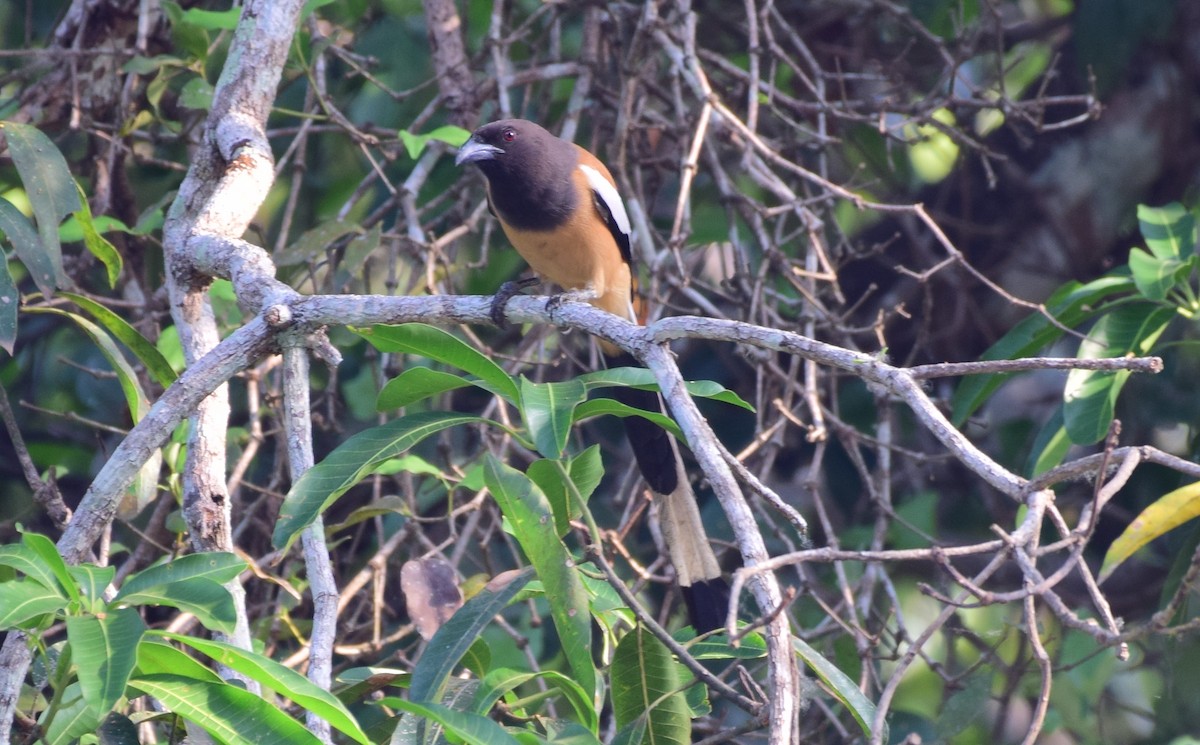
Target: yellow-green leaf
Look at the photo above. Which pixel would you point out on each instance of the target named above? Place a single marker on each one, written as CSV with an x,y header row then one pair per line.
x,y
1169,512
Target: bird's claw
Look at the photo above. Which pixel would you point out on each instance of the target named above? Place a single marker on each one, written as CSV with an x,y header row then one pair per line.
x,y
504,294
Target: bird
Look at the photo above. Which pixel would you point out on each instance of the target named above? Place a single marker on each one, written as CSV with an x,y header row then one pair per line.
x,y
559,207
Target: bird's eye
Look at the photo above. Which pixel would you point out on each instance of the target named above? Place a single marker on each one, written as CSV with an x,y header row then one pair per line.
x,y
508,135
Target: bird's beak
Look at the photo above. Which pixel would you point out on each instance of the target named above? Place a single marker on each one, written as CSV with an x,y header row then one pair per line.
x,y
473,151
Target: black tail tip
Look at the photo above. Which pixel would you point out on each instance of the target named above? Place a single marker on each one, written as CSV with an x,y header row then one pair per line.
x,y
707,604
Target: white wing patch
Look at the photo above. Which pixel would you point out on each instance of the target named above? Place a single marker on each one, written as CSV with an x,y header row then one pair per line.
x,y
608,195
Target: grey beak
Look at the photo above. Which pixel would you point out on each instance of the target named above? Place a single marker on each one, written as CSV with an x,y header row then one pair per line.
x,y
473,151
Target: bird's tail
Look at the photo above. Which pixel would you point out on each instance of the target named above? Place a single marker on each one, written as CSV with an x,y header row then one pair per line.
x,y
658,459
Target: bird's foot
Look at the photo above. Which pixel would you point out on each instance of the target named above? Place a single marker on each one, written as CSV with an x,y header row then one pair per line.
x,y
582,295
506,293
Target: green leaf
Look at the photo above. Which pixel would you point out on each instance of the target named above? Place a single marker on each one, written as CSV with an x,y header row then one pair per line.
x,y
105,650
48,184
1170,230
646,687
352,461
1165,514
213,20
498,682
966,705
155,657
431,342
417,384
126,376
25,601
144,488
585,472
24,239
92,581
216,566
196,94
841,686
455,637
547,409
230,714
609,407
1156,277
1050,446
355,255
280,679
314,242
26,561
449,134
146,353
1090,396
72,719
360,682
640,377
96,243
717,647
1071,304
208,601
472,728
528,512
48,553
10,301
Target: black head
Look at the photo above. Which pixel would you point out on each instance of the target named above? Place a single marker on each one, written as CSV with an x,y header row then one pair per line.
x,y
528,170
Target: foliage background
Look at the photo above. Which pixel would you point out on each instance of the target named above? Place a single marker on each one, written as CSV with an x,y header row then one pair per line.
x,y
898,101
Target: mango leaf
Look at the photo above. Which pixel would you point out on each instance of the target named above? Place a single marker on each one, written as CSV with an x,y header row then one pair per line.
x,y
455,637
92,581
208,601
500,681
53,560
841,686
96,243
232,715
1170,230
449,134
314,242
431,342
196,94
25,601
10,300
417,384
216,566
25,241
145,487
1156,277
104,649
529,513
471,728
609,407
1090,396
26,561
356,253
646,688
280,679
1071,304
584,471
717,647
213,20
146,353
155,657
1050,446
72,719
548,409
1165,514
640,377
352,461
48,184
